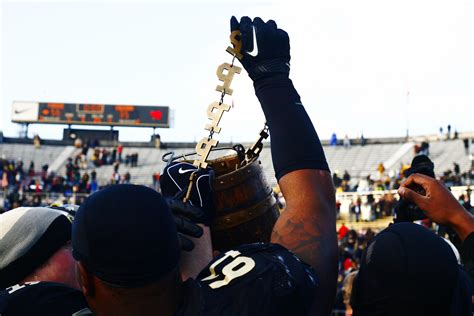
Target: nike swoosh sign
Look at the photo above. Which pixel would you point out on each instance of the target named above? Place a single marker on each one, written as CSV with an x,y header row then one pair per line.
x,y
181,170
254,52
21,111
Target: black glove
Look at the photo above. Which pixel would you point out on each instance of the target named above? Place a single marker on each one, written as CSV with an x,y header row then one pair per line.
x,y
174,184
265,48
186,216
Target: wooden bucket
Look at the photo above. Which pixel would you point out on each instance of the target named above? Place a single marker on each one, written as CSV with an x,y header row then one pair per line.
x,y
246,209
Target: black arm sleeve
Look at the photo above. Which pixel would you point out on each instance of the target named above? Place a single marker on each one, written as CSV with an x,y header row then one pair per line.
x,y
294,142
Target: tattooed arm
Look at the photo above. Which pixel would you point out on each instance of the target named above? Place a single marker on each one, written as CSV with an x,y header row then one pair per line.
x,y
307,228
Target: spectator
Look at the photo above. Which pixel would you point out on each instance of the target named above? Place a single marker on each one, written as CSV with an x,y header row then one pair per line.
x,y
116,166
355,209
384,284
399,275
95,158
157,139
457,169
448,134
347,291
85,148
336,180
93,175
78,143
119,152
84,182
381,169
156,181
115,178
347,142
346,177
69,169
333,141
31,169
466,145
416,149
37,141
441,207
94,186
113,156
134,160
425,148
342,231
126,178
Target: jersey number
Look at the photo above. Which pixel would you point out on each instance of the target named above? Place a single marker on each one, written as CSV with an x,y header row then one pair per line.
x,y
234,269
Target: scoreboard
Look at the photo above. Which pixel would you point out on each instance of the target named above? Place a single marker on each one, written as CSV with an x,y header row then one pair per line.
x,y
90,114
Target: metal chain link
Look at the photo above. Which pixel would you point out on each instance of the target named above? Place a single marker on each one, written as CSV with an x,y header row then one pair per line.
x,y
254,151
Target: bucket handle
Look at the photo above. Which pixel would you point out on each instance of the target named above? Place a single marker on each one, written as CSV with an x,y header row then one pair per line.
x,y
170,157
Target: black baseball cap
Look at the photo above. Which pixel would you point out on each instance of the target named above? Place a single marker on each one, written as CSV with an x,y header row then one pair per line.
x,y
126,236
409,270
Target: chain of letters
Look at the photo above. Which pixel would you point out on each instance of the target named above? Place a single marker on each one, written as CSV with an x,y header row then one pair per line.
x,y
225,73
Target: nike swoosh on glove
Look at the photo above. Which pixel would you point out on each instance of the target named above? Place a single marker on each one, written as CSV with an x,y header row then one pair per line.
x,y
265,47
174,183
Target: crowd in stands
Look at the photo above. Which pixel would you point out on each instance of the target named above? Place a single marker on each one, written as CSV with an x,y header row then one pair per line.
x,y
34,187
78,178
92,154
369,208
17,180
351,244
391,180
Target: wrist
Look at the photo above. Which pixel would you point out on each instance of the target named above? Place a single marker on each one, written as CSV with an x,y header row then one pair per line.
x,y
278,98
269,68
462,223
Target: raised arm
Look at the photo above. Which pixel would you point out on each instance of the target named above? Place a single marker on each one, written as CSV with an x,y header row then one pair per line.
x,y
308,225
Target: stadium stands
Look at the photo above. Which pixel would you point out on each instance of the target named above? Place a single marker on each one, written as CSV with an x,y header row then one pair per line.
x,y
359,161
41,156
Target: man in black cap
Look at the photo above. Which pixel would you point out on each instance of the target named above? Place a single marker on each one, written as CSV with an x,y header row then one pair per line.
x,y
441,206
408,270
127,246
37,270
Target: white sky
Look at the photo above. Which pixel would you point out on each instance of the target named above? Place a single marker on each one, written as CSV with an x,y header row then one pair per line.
x,y
352,62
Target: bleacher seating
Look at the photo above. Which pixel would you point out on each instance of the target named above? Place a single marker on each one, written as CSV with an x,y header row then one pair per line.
x,y
444,154
359,161
27,153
